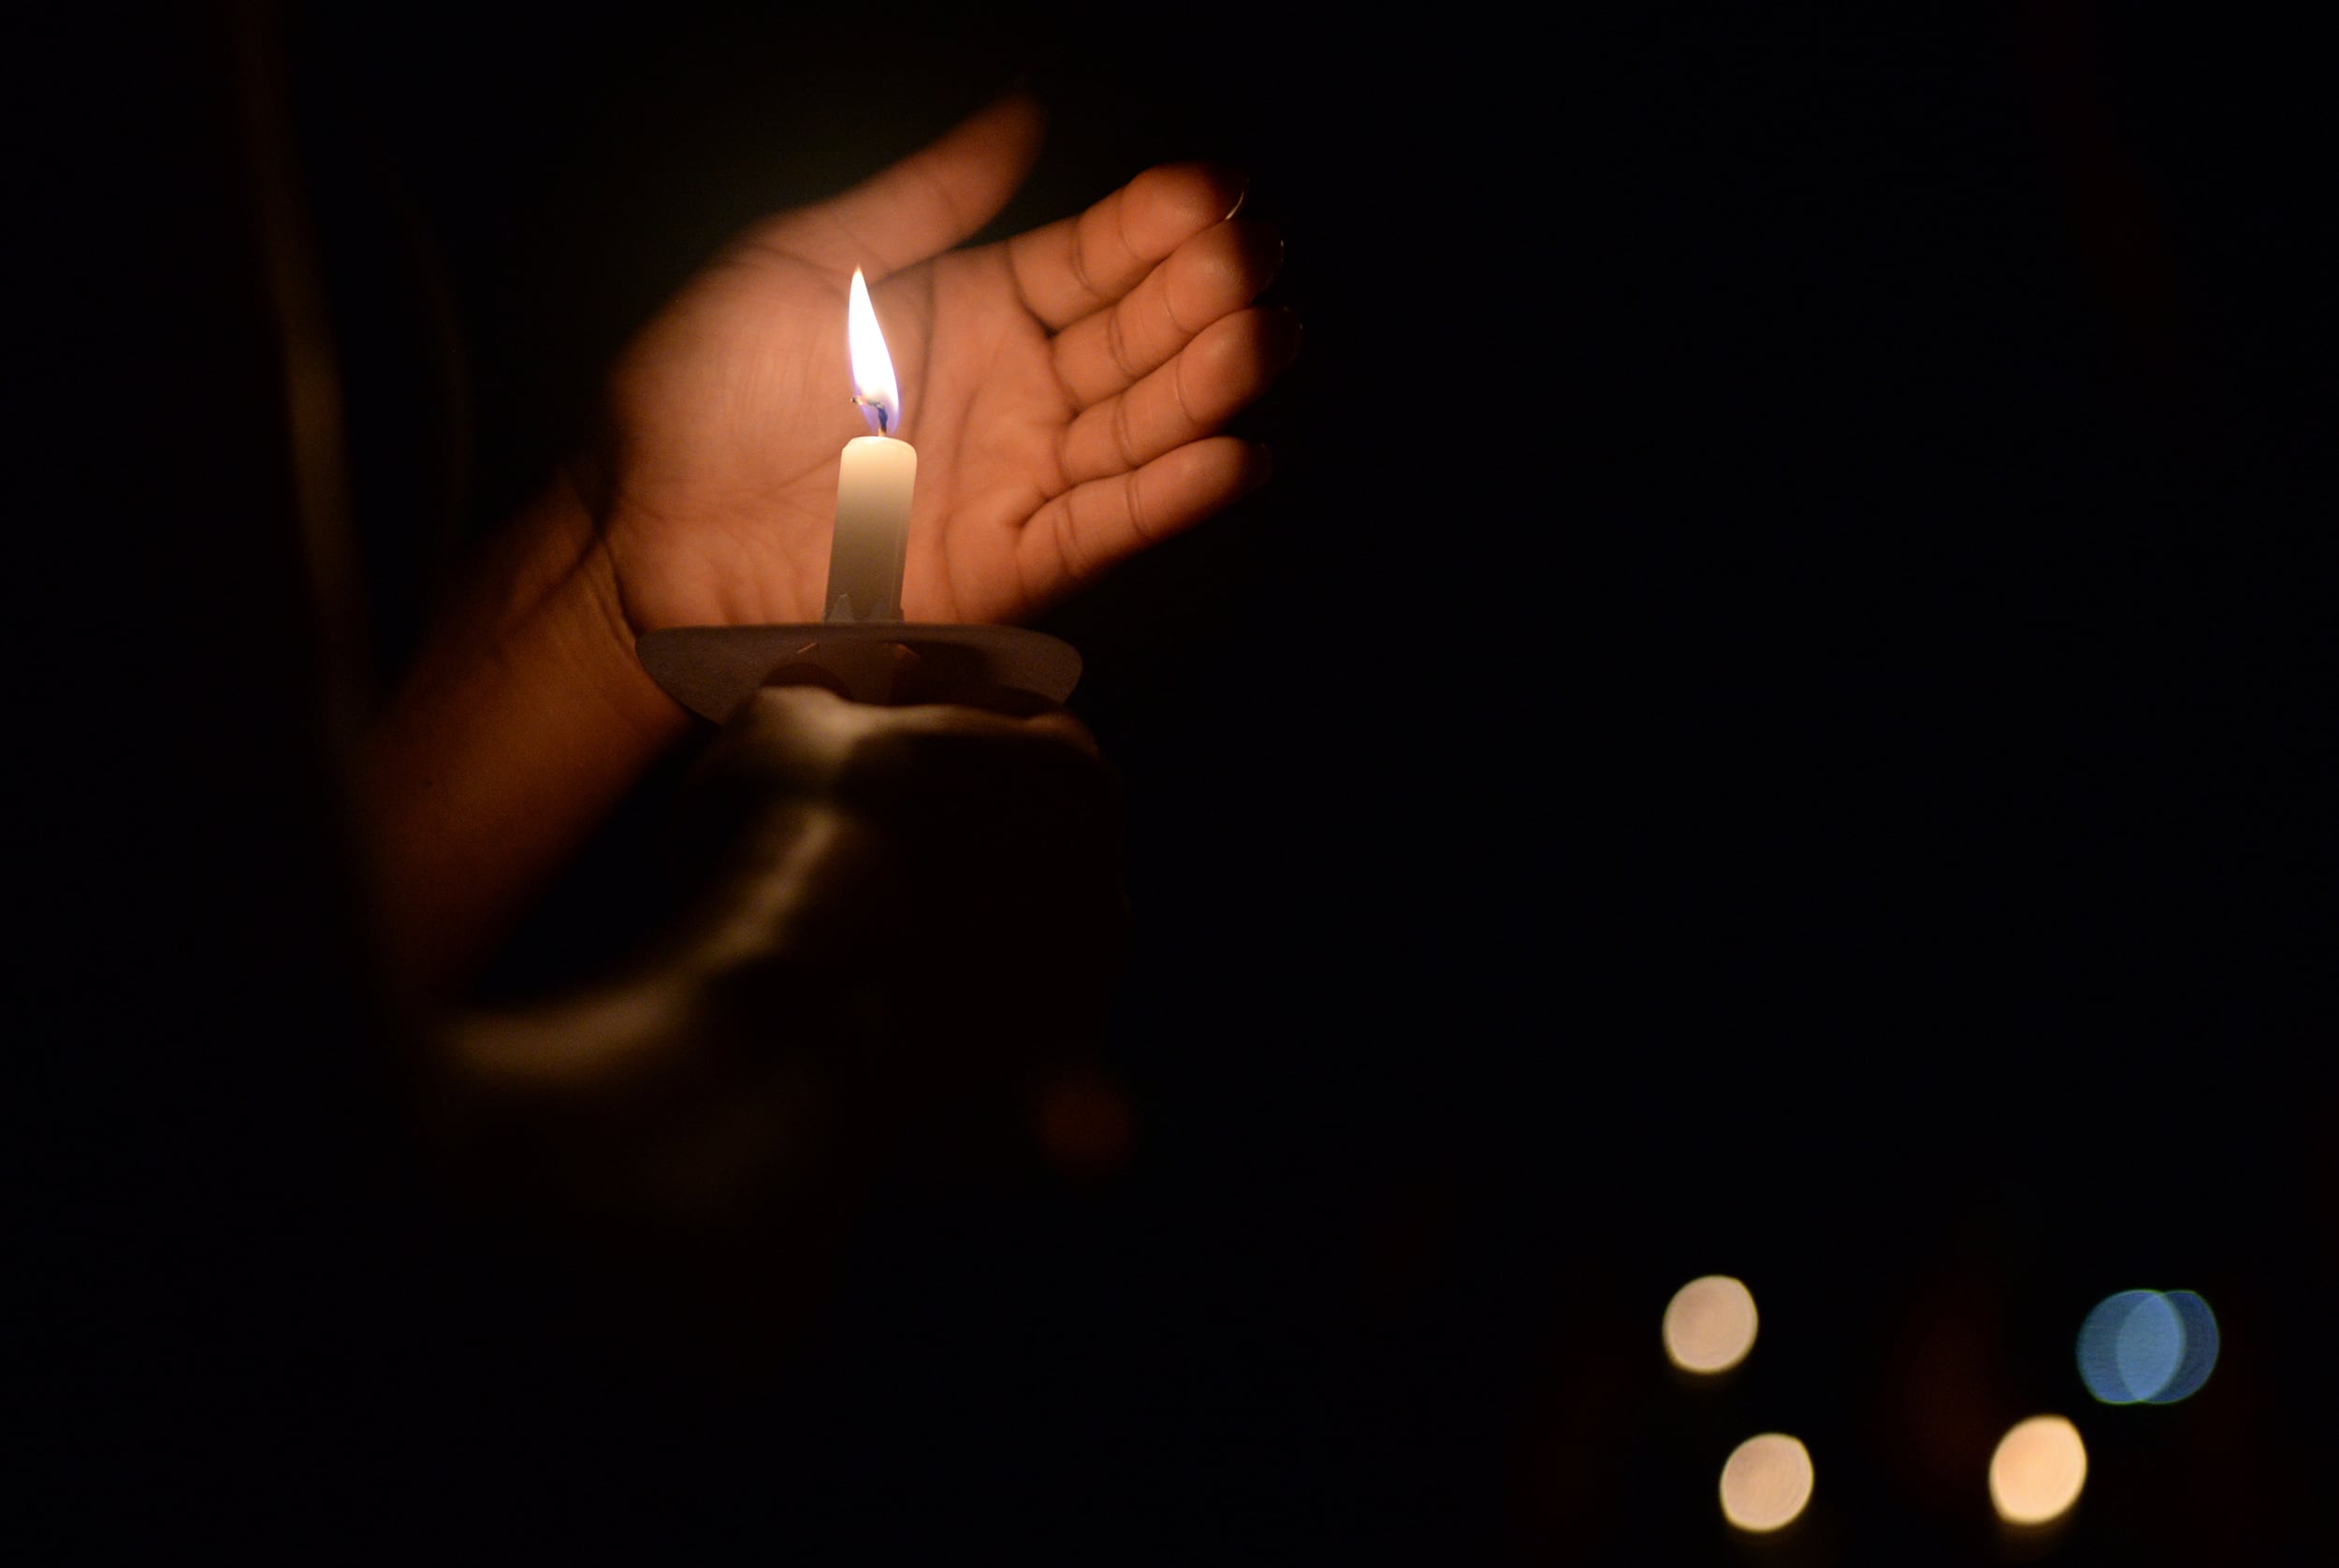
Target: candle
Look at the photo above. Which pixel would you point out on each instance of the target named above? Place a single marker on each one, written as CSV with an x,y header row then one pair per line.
x,y
873,483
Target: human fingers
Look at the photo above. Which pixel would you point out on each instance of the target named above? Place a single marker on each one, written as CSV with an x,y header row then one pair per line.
x,y
804,731
1000,711
1204,385
1210,276
924,204
1077,264
1086,529
954,696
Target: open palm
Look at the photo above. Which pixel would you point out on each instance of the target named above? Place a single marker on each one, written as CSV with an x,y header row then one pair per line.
x,y
1063,388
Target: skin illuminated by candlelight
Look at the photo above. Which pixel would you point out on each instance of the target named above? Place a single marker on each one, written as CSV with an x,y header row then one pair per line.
x,y
1066,391
1063,387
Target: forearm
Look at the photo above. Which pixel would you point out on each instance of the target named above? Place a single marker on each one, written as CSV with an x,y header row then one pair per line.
x,y
525,721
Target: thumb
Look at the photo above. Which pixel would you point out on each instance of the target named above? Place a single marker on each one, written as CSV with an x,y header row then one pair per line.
x,y
928,201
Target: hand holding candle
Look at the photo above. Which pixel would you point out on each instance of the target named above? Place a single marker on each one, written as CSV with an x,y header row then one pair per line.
x,y
1069,388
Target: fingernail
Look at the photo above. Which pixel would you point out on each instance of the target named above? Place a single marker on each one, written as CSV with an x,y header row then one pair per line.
x,y
1221,174
1262,250
1286,327
1260,469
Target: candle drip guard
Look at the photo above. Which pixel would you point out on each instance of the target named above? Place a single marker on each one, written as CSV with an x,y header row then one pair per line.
x,y
712,670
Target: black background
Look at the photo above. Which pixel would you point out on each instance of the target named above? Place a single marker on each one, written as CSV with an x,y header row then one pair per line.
x,y
1770,722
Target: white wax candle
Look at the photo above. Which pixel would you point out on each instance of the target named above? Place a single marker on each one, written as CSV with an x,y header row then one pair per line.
x,y
873,481
872,535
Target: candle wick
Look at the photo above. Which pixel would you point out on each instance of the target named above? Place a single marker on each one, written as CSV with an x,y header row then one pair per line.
x,y
880,418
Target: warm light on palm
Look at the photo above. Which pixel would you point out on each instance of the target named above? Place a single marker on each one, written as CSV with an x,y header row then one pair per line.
x,y
1063,389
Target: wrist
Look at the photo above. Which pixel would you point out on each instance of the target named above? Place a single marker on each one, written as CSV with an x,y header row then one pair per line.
x,y
527,718
604,630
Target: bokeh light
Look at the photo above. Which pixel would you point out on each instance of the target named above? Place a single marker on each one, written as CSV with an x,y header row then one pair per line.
x,y
1767,1482
1709,1326
2147,1347
2201,1346
2037,1471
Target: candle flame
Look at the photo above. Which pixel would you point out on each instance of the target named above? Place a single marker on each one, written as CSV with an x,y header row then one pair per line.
x,y
874,388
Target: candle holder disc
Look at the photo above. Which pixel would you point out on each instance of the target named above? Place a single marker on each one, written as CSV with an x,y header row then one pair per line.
x,y
711,670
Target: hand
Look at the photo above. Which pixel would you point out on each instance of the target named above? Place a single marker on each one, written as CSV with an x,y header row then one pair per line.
x,y
1063,388
892,929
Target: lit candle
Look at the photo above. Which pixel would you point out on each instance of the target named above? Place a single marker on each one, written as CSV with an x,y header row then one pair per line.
x,y
873,484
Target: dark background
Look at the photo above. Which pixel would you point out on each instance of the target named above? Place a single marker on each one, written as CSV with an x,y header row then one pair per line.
x,y
1770,723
